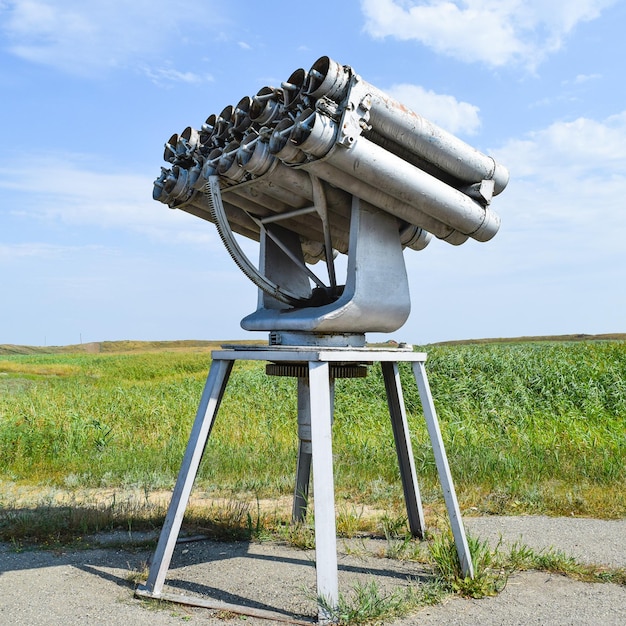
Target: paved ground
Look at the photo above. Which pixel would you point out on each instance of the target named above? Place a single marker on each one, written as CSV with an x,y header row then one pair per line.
x,y
92,586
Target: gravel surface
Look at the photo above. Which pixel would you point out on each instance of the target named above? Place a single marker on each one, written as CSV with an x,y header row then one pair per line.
x,y
92,586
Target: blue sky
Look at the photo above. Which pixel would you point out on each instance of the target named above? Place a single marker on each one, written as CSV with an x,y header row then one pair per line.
x,y
92,90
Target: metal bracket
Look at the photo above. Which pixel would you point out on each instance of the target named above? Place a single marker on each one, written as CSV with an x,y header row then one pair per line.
x,y
376,295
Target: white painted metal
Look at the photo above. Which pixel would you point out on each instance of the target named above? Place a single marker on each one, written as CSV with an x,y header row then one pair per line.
x,y
228,607
315,398
380,178
312,353
205,417
443,469
334,140
323,489
246,144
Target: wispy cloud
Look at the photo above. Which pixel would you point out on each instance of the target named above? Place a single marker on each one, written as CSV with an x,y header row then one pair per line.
x,y
494,32
89,37
568,182
444,110
166,76
45,251
571,150
74,189
585,78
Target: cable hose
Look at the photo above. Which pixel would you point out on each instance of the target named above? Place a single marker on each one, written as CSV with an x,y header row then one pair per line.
x,y
214,199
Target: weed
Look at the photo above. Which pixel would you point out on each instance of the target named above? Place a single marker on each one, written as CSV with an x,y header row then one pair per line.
x,y
398,540
350,521
299,535
230,520
522,557
489,577
138,575
50,523
368,603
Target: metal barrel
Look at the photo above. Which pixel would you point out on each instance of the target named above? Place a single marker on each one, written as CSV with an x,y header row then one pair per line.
x,y
397,122
383,170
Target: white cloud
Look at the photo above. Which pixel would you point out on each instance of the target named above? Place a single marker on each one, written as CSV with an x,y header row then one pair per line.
x,y
444,110
494,32
64,188
569,179
44,251
571,150
165,76
584,78
85,37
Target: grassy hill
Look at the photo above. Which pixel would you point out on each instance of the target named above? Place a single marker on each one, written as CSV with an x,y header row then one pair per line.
x,y
97,347
576,337
110,347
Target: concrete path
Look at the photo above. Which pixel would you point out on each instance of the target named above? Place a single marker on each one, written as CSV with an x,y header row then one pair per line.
x,y
68,588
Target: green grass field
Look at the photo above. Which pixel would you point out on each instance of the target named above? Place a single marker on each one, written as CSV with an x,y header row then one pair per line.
x,y
529,426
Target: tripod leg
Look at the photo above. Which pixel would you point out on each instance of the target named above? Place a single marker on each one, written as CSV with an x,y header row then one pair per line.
x,y
441,460
303,471
323,489
205,417
400,426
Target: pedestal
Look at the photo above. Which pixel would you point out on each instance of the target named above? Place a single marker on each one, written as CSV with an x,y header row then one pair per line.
x,y
315,405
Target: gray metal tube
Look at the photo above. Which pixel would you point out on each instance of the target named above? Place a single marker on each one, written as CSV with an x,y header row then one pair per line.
x,y
395,121
265,199
258,160
293,183
354,186
169,152
292,88
382,200
406,182
338,202
367,161
358,188
266,105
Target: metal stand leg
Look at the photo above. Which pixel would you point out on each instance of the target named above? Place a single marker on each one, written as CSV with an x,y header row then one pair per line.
x,y
323,489
303,471
443,469
315,413
402,438
205,417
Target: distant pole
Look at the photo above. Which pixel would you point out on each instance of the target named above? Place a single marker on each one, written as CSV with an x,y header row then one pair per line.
x,y
81,338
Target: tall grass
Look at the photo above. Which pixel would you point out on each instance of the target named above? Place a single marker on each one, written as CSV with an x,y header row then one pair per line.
x,y
528,427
